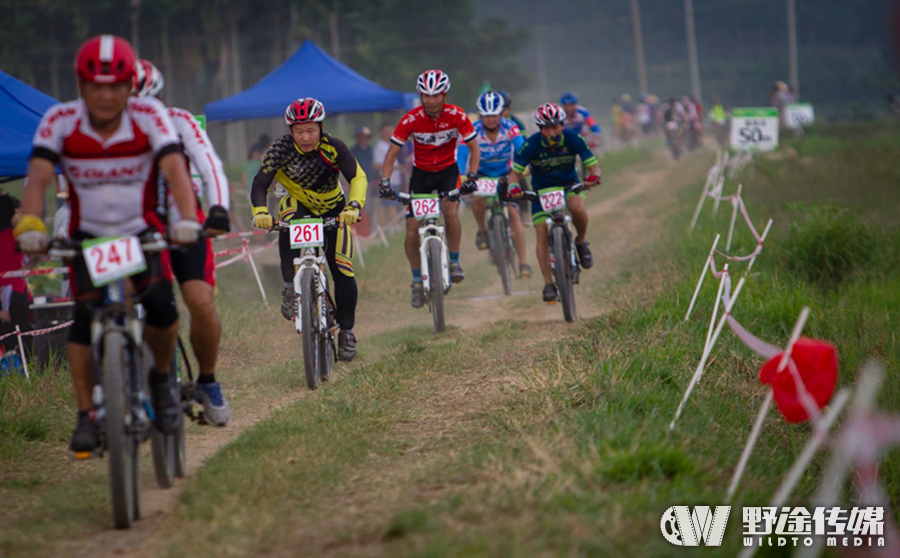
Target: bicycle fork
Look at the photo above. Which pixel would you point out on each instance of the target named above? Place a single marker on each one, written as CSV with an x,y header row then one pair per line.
x,y
429,234
311,261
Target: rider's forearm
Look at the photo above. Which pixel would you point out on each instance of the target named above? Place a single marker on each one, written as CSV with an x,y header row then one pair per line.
x,y
358,186
389,159
174,169
40,174
474,155
514,177
594,170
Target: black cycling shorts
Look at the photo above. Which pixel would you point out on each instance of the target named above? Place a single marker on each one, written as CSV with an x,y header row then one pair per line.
x,y
156,295
425,182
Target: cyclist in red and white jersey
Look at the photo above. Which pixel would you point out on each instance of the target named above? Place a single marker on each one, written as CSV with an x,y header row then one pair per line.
x,y
436,128
194,265
111,147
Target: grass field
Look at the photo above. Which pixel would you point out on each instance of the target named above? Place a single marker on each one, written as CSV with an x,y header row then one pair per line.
x,y
529,437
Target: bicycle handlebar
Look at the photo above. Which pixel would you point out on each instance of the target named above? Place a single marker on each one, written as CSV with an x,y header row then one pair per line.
x,y
575,189
327,222
66,248
452,195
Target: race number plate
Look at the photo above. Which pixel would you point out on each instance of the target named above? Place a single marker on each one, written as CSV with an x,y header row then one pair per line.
x,y
425,206
754,129
110,259
487,187
307,233
553,199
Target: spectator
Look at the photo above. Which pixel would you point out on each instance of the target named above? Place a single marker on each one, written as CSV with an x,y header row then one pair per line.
x,y
385,210
14,294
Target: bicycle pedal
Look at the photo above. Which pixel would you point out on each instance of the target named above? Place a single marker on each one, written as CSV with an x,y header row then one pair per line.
x,y
83,455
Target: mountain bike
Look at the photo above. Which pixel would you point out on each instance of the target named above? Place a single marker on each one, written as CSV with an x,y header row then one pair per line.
x,y
503,253
426,208
314,314
122,407
563,259
675,138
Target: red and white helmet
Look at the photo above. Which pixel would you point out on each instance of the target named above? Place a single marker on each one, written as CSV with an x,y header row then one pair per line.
x,y
433,82
549,114
304,110
105,59
148,80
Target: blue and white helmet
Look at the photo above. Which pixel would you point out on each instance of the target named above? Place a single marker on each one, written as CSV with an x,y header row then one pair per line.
x,y
433,82
568,98
490,103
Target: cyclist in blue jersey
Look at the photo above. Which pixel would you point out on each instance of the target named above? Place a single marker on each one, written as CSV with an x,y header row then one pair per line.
x,y
551,154
579,120
498,138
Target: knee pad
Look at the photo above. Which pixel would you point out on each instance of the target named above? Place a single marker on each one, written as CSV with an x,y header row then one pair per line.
x,y
80,332
159,304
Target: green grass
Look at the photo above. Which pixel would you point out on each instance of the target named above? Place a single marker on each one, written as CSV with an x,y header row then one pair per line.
x,y
536,439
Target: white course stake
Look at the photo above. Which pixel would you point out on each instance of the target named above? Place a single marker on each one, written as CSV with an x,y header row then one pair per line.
x,y
262,290
841,462
762,239
706,265
809,450
767,404
709,182
22,352
717,194
699,372
712,322
734,211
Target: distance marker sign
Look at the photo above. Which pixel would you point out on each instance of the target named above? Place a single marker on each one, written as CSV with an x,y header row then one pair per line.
x,y
754,129
800,115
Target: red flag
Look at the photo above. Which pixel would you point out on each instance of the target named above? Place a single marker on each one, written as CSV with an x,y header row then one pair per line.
x,y
816,362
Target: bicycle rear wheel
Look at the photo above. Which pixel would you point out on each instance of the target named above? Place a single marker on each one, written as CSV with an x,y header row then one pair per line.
x,y
168,449
436,284
562,272
124,473
499,246
309,323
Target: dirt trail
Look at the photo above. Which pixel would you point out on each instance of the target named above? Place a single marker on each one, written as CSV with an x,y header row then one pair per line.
x,y
620,224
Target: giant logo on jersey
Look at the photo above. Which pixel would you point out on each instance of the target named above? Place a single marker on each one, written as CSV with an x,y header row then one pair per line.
x,y
435,138
107,172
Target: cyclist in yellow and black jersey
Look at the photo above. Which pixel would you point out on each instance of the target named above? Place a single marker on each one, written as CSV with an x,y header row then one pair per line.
x,y
307,163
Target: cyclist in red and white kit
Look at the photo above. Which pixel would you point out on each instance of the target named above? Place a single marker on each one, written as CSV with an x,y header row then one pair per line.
x,y
111,147
194,265
436,128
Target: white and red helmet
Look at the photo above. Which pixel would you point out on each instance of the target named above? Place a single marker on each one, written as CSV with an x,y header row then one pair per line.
x,y
105,59
433,82
549,114
304,110
148,80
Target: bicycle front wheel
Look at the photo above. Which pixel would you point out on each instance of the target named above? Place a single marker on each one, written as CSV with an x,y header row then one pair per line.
x,y
500,248
124,476
309,323
562,272
326,339
436,284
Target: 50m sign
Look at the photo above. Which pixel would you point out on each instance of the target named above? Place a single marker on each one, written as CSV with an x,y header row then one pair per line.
x,y
754,129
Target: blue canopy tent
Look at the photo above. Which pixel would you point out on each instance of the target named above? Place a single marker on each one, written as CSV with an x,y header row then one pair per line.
x,y
310,72
21,107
